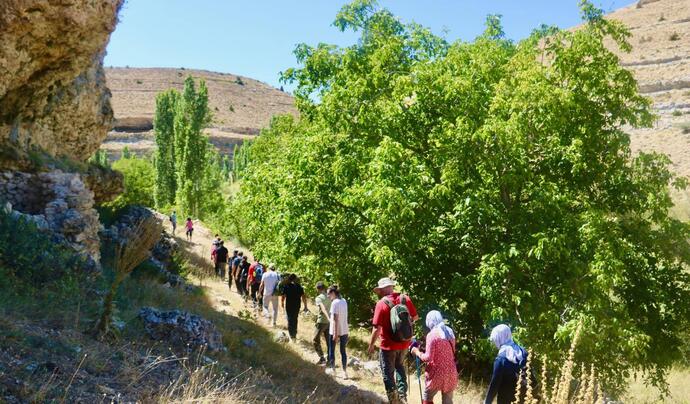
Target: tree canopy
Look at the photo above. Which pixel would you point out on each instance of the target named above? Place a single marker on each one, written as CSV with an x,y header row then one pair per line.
x,y
493,179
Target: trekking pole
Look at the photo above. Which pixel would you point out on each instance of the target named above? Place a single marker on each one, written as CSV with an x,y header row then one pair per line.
x,y
419,379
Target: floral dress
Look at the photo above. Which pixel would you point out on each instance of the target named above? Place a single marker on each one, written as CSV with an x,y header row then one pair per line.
x,y
441,373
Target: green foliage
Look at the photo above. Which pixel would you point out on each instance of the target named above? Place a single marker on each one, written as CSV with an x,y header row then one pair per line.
x,y
29,258
163,126
139,177
492,178
100,158
126,154
191,117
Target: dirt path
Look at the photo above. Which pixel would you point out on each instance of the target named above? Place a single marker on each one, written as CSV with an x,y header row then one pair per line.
x,y
361,377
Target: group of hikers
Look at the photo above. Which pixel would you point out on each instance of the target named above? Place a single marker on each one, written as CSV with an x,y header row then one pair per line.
x,y
393,324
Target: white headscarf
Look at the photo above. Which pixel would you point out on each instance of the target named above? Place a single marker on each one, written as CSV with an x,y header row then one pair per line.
x,y
503,339
435,320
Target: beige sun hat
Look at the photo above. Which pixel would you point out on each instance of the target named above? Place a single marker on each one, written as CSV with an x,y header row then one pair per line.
x,y
384,283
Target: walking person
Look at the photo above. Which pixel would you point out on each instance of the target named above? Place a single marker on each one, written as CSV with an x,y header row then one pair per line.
x,y
267,288
441,375
189,226
338,330
221,260
236,271
243,274
173,221
231,260
293,296
510,360
395,332
256,272
214,248
323,313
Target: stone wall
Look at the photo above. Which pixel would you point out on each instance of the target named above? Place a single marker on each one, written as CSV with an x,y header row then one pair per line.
x,y
57,202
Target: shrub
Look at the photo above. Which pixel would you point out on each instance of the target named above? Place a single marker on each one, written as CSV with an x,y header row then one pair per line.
x,y
139,179
30,256
677,112
674,36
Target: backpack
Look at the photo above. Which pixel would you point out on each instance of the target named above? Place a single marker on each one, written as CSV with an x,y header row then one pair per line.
x,y
401,322
278,290
258,274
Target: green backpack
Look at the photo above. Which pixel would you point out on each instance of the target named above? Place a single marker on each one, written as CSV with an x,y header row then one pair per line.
x,y
401,322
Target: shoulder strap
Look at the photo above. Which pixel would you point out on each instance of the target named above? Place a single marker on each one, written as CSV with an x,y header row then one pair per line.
x,y
403,299
388,302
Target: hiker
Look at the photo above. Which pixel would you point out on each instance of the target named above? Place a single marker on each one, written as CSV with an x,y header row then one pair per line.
x,y
256,272
236,271
293,294
323,313
267,288
338,330
221,260
393,320
173,221
441,373
190,229
510,360
214,247
231,260
243,274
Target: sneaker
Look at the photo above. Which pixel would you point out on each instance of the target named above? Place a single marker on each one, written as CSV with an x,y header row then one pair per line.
x,y
330,370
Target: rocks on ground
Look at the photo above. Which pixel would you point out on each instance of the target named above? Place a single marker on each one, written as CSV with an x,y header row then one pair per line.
x,y
181,329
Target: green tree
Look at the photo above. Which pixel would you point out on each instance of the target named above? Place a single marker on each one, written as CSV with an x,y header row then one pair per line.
x,y
492,178
139,175
163,125
192,114
126,154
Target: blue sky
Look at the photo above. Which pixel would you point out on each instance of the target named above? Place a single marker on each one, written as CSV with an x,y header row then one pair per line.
x,y
256,38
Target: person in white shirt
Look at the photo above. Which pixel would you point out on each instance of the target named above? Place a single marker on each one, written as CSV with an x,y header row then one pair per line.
x,y
338,330
269,284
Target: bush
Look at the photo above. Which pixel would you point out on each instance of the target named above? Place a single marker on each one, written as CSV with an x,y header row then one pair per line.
x,y
30,257
139,179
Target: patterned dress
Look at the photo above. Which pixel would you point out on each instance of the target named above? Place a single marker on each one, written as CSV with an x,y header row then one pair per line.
x,y
441,373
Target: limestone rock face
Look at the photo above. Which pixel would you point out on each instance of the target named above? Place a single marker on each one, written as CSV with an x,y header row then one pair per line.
x,y
57,202
52,85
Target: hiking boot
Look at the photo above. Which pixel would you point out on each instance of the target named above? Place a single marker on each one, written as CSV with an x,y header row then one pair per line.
x,y
393,397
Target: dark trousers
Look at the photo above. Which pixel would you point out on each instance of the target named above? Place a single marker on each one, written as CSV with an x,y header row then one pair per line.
x,y
392,365
220,269
292,317
241,286
321,330
254,291
342,340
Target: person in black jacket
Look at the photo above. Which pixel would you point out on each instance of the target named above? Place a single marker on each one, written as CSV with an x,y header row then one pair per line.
x,y
510,360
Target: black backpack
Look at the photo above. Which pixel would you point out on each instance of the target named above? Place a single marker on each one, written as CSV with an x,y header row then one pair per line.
x,y
401,321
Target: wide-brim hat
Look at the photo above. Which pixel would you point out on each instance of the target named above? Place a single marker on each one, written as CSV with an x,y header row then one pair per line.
x,y
384,283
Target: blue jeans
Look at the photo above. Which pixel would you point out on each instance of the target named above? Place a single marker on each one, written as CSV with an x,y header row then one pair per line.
x,y
393,371
331,350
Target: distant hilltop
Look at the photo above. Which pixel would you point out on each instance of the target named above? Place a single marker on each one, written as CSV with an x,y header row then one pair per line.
x,y
240,106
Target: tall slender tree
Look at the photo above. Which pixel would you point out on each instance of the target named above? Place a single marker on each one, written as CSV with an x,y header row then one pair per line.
x,y
163,126
191,116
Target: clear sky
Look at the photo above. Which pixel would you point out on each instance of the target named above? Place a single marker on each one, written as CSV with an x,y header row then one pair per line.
x,y
256,38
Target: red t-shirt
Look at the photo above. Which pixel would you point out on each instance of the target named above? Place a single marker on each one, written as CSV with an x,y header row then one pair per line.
x,y
382,319
251,271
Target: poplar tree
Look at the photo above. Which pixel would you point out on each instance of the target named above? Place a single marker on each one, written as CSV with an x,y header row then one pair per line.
x,y
163,126
191,116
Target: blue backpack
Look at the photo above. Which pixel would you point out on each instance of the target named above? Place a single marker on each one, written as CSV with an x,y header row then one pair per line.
x,y
258,274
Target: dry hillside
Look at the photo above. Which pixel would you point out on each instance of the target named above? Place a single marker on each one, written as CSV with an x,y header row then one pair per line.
x,y
241,106
660,60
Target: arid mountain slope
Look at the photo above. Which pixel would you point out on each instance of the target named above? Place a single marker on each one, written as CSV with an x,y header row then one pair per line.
x,y
660,60
240,106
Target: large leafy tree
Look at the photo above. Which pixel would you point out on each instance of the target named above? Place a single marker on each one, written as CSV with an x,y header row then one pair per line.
x,y
493,179
163,126
192,115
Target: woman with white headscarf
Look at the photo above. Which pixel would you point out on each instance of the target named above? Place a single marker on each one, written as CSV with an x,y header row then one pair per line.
x,y
441,374
510,359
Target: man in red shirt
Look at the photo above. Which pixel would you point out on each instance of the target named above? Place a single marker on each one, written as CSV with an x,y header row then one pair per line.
x,y
392,354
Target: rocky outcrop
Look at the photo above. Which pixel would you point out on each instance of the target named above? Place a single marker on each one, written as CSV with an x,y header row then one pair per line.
x,y
181,329
57,202
105,183
52,85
